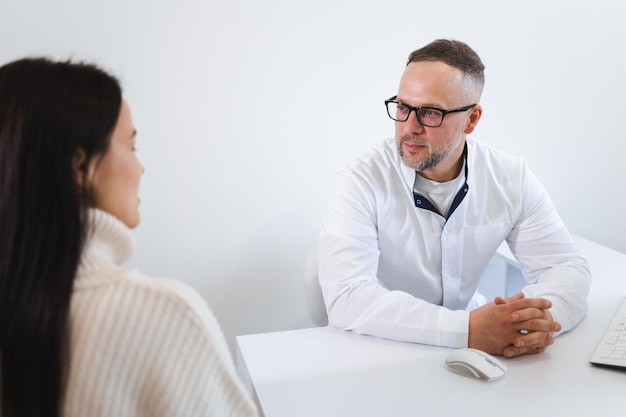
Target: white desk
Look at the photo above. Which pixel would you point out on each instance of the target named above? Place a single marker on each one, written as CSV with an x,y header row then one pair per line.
x,y
325,372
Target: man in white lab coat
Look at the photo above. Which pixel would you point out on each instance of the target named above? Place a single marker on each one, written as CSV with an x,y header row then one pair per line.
x,y
411,226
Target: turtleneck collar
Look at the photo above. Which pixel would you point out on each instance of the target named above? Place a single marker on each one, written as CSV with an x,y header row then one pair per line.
x,y
109,240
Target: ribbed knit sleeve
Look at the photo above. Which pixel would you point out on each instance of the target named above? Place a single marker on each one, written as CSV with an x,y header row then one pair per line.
x,y
143,346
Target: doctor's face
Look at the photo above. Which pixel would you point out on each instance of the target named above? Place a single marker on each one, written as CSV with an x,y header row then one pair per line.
x,y
434,151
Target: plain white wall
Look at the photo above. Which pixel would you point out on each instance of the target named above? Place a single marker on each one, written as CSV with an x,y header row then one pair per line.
x,y
246,108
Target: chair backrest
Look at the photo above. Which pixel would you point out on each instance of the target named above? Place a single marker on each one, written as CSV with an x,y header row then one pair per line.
x,y
313,291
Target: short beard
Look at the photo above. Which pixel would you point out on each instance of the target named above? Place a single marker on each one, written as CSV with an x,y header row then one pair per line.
x,y
435,156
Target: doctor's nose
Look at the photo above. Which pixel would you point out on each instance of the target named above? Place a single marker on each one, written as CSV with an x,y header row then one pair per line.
x,y
412,125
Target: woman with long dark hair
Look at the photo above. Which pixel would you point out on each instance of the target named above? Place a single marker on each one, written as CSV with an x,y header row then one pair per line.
x,y
79,335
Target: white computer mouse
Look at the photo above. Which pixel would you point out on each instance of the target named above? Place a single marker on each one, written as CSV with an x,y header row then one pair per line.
x,y
475,363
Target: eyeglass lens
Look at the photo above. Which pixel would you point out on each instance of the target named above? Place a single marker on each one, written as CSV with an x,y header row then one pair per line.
x,y
426,116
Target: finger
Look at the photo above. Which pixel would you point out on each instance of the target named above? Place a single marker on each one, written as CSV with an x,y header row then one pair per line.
x,y
540,348
513,351
507,300
527,314
533,340
532,343
538,325
540,303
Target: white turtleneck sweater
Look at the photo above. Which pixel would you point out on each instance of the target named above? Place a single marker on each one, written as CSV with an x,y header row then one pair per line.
x,y
142,346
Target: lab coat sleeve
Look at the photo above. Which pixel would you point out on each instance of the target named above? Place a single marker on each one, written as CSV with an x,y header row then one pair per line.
x,y
549,258
348,265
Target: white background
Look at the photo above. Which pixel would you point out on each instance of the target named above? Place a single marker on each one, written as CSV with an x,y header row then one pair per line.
x,y
246,108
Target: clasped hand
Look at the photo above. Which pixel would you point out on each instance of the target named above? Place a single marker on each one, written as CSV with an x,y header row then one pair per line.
x,y
512,326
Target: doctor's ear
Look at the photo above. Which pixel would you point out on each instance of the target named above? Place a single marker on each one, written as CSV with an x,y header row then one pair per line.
x,y
473,118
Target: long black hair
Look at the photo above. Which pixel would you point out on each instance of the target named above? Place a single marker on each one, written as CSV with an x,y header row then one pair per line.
x,y
48,110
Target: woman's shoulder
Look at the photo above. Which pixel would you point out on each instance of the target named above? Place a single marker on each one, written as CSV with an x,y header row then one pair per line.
x,y
134,329
127,293
169,293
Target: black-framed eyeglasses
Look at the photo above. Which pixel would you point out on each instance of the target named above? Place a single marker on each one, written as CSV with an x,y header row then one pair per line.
x,y
427,116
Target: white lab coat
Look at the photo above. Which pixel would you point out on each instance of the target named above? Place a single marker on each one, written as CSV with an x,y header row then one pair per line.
x,y
392,270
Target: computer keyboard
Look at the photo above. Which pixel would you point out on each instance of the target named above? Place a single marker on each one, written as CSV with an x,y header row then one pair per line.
x,y
611,351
